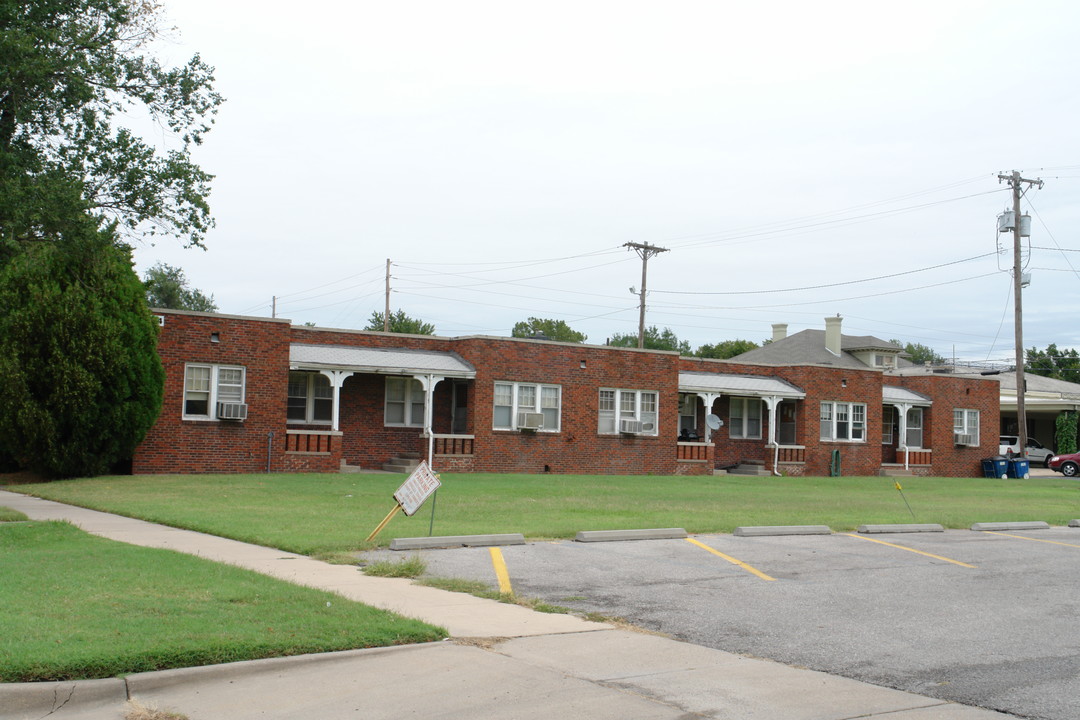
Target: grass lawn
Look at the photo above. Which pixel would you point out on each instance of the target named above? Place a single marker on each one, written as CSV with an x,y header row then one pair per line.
x,y
78,606
315,514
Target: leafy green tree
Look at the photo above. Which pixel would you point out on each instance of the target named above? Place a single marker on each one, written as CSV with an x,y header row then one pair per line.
x,y
1065,432
726,349
654,339
167,287
70,70
83,382
400,323
1053,363
920,354
551,329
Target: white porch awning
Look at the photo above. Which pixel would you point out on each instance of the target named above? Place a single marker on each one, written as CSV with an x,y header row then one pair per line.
x,y
894,395
739,385
382,361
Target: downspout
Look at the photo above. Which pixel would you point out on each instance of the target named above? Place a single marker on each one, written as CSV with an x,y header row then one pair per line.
x,y
428,412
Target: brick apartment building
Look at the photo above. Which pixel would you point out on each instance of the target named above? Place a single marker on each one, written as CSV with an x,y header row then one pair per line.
x,y
247,394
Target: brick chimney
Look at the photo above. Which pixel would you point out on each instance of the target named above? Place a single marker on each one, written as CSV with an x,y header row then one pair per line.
x,y
779,331
832,334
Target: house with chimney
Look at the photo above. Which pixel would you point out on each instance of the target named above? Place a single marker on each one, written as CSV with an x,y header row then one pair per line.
x,y
247,394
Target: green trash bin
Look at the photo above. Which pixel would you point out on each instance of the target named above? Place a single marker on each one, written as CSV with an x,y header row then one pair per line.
x,y
834,464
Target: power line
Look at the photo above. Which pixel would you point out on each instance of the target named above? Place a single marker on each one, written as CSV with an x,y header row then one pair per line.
x,y
827,285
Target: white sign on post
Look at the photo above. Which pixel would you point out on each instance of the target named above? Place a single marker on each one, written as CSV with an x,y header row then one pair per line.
x,y
414,491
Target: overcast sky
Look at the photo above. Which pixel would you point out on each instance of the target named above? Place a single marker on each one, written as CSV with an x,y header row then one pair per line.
x,y
500,154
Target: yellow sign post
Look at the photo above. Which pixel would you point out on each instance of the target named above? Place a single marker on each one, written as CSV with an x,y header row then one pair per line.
x,y
411,495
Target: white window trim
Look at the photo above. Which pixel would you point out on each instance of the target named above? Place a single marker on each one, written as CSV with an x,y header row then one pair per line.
x,y
515,407
744,418
834,407
412,385
967,424
309,395
921,428
212,401
888,424
637,413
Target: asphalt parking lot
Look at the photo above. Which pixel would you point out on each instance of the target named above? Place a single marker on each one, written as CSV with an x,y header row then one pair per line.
x,y
981,618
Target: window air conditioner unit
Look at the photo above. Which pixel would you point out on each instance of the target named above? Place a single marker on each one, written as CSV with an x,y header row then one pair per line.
x,y
530,421
963,439
231,411
630,427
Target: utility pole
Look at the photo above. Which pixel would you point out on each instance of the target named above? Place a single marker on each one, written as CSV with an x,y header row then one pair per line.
x,y
386,312
273,306
644,251
1015,182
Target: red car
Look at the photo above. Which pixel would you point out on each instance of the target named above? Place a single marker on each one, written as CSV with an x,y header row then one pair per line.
x,y
1068,464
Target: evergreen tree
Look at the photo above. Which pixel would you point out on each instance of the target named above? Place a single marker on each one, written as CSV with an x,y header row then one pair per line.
x,y
82,379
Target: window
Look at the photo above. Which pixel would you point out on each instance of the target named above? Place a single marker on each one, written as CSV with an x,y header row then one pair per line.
x,y
966,427
744,420
513,398
207,385
786,434
888,424
404,402
844,422
311,399
688,413
914,427
617,406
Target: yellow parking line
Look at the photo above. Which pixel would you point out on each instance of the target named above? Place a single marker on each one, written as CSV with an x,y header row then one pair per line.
x,y
500,571
920,552
731,560
1021,537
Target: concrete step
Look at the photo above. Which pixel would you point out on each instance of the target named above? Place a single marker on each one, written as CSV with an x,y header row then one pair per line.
x,y
400,465
749,469
895,472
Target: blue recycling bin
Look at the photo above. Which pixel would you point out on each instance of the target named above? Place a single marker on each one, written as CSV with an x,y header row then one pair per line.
x,y
1018,468
995,467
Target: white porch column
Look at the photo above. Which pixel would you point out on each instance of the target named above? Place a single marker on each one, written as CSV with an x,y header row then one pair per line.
x,y
428,382
772,402
901,442
337,379
708,399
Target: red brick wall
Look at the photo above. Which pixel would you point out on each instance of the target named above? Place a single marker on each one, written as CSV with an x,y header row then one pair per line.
x,y
175,445
578,447
262,347
951,393
820,384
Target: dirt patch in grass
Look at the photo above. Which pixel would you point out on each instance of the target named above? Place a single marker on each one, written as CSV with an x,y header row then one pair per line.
x,y
139,711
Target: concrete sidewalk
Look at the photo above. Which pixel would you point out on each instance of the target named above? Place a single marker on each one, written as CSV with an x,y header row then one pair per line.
x,y
503,661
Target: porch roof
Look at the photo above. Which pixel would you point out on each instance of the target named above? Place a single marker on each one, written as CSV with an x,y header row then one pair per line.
x,y
742,385
894,394
383,361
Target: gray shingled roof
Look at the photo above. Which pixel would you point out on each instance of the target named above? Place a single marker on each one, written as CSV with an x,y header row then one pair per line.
x,y
377,360
742,385
808,348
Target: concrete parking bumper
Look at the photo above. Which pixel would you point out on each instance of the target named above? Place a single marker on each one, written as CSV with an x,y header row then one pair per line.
x,y
506,661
